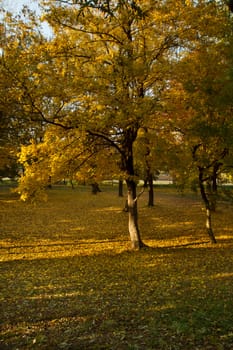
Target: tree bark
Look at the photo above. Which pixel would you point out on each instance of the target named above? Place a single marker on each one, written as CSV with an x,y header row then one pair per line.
x,y
127,166
207,206
209,225
136,242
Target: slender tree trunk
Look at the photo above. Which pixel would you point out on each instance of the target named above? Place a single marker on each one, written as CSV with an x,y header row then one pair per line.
x,y
149,175
207,207
136,242
151,191
209,225
120,188
50,182
72,184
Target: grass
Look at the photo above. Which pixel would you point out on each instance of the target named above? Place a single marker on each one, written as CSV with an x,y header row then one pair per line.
x,y
69,280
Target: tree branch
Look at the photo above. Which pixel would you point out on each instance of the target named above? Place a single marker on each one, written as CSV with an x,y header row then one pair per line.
x,y
139,195
106,138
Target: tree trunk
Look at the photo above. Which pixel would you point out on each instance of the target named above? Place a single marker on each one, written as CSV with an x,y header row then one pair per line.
x,y
149,175
95,188
136,242
127,166
207,206
209,225
49,182
151,191
120,188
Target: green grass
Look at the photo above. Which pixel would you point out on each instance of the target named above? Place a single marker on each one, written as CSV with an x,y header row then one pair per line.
x,y
69,280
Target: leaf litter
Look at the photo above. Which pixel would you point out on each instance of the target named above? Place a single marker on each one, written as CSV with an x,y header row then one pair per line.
x,y
69,280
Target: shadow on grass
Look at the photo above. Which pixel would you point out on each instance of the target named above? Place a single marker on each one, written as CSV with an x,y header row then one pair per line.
x,y
100,295
87,247
159,298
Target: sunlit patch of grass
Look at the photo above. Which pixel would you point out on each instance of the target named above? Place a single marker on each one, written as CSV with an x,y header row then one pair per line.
x,y
70,281
222,275
60,249
109,209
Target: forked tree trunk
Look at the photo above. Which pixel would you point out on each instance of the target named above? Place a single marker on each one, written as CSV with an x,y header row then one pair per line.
x,y
207,207
136,242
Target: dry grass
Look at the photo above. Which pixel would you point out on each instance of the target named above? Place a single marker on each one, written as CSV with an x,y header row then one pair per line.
x,y
69,281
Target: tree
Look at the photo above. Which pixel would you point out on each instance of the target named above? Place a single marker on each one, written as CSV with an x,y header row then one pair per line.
x,y
203,96
107,67
99,80
17,119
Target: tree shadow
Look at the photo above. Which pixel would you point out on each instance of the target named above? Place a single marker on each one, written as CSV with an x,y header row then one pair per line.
x,y
168,297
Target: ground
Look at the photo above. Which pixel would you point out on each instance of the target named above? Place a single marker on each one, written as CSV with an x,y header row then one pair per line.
x,y
69,280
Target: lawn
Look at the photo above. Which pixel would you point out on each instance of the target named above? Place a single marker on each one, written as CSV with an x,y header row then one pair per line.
x,y
69,280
